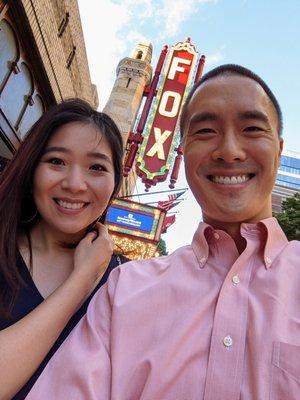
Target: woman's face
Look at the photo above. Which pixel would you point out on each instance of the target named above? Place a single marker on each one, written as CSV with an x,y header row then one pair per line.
x,y
74,179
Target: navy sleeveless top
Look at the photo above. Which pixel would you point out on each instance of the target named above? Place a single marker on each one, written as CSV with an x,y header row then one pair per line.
x,y
29,298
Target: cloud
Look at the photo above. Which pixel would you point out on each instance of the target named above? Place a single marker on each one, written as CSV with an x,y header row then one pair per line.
x,y
174,13
102,21
135,37
113,27
213,59
142,8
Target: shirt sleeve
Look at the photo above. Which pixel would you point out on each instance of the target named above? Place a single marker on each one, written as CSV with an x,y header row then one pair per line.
x,y
81,368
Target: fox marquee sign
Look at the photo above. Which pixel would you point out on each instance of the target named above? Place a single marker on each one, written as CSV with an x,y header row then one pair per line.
x,y
160,136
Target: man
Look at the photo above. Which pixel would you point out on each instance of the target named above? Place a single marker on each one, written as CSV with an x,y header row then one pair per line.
x,y
217,320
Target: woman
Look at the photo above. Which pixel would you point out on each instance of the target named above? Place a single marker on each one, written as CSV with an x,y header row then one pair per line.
x,y
53,251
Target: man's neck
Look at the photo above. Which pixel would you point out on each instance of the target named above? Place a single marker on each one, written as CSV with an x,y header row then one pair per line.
x,y
233,229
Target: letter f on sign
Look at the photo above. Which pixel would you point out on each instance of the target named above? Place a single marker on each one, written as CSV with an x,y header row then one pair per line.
x,y
158,145
176,67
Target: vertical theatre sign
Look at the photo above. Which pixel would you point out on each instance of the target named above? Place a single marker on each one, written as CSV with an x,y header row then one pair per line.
x,y
160,136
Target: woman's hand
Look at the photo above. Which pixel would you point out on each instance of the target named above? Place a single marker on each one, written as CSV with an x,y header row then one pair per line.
x,y
93,254
43,325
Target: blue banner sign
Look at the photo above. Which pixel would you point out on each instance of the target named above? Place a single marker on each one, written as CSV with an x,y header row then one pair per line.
x,y
130,219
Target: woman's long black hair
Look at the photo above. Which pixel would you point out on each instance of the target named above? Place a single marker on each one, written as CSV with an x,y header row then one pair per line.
x,y
16,201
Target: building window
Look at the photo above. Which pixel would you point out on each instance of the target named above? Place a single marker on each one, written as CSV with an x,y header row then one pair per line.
x,y
139,55
20,103
33,112
63,24
71,57
15,94
9,52
3,163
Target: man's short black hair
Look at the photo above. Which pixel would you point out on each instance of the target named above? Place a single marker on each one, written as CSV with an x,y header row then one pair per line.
x,y
228,70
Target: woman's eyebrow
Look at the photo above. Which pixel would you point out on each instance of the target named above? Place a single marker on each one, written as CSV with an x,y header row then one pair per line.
x,y
92,154
101,156
55,148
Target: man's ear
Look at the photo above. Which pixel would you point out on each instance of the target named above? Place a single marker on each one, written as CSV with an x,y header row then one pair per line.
x,y
281,143
182,141
280,148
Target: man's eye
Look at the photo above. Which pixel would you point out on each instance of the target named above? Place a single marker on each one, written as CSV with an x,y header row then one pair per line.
x,y
55,161
204,131
253,129
98,167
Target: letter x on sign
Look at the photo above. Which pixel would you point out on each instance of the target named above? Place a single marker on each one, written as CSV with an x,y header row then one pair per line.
x,y
158,147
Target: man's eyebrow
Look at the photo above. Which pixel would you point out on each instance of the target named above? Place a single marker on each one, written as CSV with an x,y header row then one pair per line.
x,y
254,114
203,117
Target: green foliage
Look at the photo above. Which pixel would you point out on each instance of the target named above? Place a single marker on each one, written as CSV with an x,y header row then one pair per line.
x,y
289,218
162,248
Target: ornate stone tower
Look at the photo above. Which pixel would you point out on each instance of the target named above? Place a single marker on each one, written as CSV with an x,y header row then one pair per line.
x,y
133,75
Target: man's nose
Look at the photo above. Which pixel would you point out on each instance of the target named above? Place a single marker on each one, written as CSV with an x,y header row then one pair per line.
x,y
229,148
74,181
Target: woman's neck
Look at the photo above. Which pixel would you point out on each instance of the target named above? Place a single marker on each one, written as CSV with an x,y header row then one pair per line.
x,y
46,239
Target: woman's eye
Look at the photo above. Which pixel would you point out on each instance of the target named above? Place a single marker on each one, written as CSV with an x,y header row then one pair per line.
x,y
98,167
55,161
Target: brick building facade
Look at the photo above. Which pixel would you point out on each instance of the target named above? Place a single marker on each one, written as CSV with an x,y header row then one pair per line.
x,y
42,61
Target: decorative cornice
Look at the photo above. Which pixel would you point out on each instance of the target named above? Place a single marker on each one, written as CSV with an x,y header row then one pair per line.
x,y
131,67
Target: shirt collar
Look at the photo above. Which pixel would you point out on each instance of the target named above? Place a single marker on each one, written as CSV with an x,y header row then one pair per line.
x,y
274,240
199,243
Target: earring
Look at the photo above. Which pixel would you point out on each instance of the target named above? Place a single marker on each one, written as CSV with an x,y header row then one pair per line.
x,y
26,221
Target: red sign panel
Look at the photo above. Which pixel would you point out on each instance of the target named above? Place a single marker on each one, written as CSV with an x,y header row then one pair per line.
x,y
156,152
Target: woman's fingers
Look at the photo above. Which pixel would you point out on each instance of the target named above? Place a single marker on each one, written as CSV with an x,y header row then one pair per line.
x,y
93,253
103,236
90,236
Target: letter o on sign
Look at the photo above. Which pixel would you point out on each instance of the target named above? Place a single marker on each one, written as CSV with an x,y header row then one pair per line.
x,y
175,106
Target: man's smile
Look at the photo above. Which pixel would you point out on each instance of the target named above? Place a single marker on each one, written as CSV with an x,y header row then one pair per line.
x,y
230,180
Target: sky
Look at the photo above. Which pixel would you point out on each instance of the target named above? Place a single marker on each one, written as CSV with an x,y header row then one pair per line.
x,y
260,35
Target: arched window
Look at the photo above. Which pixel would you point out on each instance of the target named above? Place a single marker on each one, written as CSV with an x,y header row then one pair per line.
x,y
139,55
33,112
8,50
20,102
15,94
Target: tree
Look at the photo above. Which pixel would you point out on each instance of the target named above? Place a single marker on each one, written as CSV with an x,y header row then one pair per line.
x,y
162,248
289,217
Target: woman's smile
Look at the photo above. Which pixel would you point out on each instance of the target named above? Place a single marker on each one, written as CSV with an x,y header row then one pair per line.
x,y
74,180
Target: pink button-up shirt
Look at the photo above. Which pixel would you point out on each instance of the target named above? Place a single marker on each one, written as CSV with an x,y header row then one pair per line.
x,y
202,323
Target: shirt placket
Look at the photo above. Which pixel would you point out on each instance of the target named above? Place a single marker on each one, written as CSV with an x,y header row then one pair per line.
x,y
225,364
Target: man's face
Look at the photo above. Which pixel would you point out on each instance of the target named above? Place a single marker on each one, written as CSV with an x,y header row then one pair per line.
x,y
232,149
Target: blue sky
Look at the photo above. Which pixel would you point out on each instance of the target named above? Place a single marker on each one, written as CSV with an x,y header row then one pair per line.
x,y
263,35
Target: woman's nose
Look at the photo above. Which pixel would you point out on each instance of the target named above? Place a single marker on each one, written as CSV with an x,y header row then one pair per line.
x,y
74,181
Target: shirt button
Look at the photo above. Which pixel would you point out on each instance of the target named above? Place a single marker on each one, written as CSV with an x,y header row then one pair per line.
x,y
268,260
203,259
227,341
216,236
235,279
